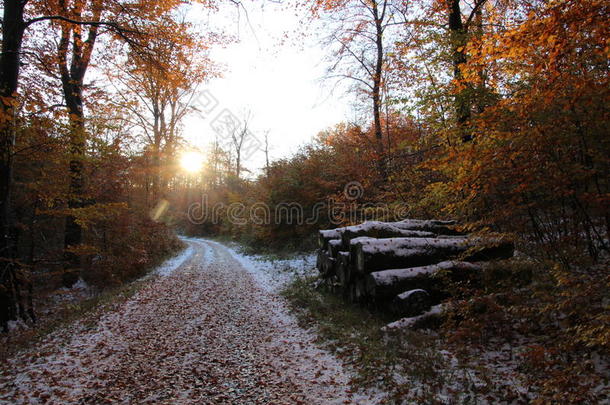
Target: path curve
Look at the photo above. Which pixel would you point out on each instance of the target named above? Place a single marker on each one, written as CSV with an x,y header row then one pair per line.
x,y
205,333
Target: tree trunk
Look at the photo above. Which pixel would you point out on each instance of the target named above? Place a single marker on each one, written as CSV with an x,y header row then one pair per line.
x,y
73,232
238,163
377,87
458,44
13,28
72,79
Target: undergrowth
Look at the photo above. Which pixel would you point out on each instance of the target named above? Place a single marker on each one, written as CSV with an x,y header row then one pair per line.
x,y
88,311
500,341
406,364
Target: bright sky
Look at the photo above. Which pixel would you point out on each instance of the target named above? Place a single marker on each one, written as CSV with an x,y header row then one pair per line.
x,y
280,84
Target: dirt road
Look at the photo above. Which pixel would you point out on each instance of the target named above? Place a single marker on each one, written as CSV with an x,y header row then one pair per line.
x,y
204,333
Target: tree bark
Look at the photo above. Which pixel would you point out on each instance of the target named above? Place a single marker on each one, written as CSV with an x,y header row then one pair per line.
x,y
411,303
385,284
396,253
72,79
380,230
429,319
458,44
378,17
13,28
343,270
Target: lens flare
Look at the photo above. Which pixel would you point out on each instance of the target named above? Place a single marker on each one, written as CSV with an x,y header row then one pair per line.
x,y
192,162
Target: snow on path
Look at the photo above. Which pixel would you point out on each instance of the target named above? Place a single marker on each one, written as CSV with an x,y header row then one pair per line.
x,y
172,264
205,333
271,275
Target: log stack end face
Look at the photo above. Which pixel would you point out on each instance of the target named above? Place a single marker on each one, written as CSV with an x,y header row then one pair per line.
x,y
398,265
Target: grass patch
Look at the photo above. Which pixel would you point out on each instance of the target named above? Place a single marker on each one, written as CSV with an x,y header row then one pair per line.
x,y
406,364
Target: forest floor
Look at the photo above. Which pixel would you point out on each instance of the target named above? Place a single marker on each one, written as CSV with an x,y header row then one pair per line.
x,y
206,328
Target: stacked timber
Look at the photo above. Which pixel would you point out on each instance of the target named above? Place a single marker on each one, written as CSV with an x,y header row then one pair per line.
x,y
406,267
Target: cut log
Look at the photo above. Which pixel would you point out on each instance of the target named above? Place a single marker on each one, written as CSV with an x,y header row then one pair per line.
x,y
420,228
328,266
343,268
333,284
360,290
429,319
351,293
340,270
319,260
435,226
344,257
334,247
322,257
326,235
383,285
411,303
382,254
376,229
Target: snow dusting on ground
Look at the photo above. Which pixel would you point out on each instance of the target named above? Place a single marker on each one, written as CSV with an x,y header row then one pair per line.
x,y
167,267
273,275
210,329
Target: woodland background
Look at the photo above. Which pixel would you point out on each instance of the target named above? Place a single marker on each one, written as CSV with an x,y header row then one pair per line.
x,y
494,113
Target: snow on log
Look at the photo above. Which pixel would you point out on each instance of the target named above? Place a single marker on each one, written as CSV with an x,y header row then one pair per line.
x,y
411,303
427,319
327,235
334,247
378,229
391,253
354,243
417,227
433,225
387,283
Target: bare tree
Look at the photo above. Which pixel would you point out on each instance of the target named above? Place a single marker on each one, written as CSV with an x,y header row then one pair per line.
x,y
361,45
266,150
238,137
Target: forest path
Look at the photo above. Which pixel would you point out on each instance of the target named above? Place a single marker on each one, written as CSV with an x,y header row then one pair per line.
x,y
205,333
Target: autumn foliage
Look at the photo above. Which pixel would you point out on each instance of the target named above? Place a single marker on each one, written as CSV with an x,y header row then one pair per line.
x,y
499,121
495,114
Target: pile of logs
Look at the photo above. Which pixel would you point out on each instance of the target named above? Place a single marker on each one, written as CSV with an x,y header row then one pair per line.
x,y
405,267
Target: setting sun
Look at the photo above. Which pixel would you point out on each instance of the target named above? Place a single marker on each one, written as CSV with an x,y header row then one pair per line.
x,y
192,162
